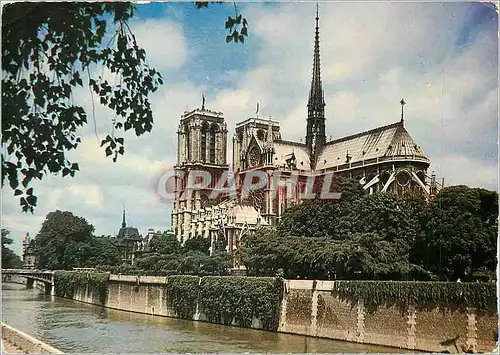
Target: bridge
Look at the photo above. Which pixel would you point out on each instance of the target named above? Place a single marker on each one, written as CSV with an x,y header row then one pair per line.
x,y
40,277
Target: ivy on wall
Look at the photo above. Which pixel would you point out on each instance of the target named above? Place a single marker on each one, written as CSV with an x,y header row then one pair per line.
x,y
228,298
423,295
67,282
182,295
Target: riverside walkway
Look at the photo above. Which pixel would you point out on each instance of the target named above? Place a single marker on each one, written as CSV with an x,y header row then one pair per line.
x,y
14,342
8,348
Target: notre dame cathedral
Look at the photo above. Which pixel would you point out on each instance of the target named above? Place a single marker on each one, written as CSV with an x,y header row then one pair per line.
x,y
382,159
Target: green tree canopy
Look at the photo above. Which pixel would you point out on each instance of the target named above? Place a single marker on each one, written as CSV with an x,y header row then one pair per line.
x,y
102,251
461,232
165,244
49,49
63,241
358,255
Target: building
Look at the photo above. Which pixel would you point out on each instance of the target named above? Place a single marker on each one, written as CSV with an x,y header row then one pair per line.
x,y
130,242
30,257
382,159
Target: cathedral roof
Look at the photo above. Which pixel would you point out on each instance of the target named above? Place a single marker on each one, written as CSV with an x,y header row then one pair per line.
x,y
284,150
383,142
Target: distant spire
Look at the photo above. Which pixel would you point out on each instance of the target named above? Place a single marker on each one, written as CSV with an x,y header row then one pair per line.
x,y
316,93
124,224
402,102
257,111
203,101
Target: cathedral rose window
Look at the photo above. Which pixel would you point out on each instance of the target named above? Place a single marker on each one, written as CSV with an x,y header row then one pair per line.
x,y
253,156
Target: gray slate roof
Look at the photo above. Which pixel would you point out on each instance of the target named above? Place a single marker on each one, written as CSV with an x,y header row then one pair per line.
x,y
382,142
387,141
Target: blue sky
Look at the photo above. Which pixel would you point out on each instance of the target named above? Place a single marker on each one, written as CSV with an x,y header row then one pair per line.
x,y
442,58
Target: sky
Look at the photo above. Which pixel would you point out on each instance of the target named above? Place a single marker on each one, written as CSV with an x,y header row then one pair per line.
x,y
442,58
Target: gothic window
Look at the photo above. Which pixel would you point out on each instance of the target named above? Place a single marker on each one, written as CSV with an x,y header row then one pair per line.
x,y
260,134
213,131
403,178
204,134
253,157
188,148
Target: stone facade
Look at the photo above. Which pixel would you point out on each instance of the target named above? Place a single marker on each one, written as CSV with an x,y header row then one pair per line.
x,y
382,159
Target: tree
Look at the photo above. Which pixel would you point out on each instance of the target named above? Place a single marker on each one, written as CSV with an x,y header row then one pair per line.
x,y
197,244
320,219
48,49
102,251
10,260
165,244
63,241
460,233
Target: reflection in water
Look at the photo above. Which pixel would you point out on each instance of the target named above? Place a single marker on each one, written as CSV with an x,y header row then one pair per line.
x,y
78,327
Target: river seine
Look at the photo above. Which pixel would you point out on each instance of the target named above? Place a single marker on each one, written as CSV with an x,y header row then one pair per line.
x,y
78,327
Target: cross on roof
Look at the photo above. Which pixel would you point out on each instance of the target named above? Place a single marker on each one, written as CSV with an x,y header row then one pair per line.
x,y
402,102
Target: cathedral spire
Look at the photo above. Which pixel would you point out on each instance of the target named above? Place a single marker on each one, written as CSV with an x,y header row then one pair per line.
x,y
124,224
316,92
315,136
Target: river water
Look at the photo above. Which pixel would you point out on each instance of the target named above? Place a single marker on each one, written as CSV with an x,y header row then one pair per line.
x,y
78,327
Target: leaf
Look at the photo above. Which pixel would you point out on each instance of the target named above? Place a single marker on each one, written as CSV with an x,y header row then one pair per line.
x,y
108,151
17,192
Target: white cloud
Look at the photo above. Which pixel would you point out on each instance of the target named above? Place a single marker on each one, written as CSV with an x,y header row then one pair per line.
x,y
163,41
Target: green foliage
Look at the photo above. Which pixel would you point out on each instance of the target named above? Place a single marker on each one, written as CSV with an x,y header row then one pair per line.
x,y
48,49
66,283
224,299
62,241
168,257
382,236
182,295
460,233
423,295
184,263
359,255
237,26
197,244
102,251
10,260
167,243
66,241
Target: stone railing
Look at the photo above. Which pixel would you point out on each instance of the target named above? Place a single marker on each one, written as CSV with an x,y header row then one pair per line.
x,y
26,342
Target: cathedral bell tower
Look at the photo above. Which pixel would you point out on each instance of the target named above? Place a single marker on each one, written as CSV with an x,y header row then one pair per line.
x,y
316,136
201,146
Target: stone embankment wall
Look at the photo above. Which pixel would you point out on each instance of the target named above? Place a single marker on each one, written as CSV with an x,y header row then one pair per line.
x,y
309,308
26,342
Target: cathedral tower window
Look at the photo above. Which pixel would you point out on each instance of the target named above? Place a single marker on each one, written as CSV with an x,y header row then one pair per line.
x,y
188,140
213,132
204,134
